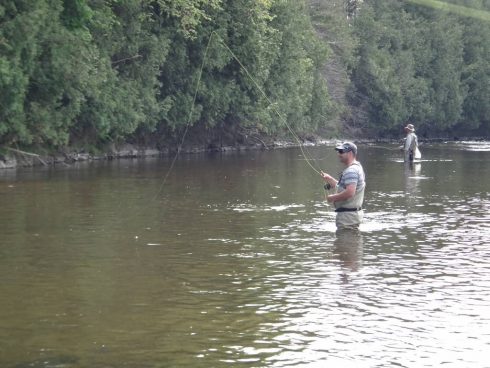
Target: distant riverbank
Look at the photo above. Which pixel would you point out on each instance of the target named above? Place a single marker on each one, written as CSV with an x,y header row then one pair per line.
x,y
12,158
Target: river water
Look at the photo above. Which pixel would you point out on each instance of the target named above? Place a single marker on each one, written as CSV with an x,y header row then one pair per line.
x,y
233,261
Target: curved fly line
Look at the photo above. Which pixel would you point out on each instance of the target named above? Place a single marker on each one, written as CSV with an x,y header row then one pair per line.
x,y
308,160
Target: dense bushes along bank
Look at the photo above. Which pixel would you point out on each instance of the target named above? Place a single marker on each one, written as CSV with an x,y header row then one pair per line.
x,y
86,73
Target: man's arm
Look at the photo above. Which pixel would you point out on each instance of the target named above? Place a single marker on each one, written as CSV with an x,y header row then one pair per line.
x,y
349,192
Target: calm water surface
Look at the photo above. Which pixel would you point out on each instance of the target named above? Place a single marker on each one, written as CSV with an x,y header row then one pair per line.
x,y
234,262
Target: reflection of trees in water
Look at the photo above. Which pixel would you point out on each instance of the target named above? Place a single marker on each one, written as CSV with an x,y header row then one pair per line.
x,y
348,248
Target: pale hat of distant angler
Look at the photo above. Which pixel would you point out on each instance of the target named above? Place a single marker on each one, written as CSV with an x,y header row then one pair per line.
x,y
410,128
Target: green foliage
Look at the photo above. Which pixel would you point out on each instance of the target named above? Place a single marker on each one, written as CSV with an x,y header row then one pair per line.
x,y
262,58
295,87
418,63
124,93
476,73
44,66
75,14
188,14
99,71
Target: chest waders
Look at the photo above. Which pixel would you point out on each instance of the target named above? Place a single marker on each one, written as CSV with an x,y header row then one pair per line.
x,y
410,146
349,212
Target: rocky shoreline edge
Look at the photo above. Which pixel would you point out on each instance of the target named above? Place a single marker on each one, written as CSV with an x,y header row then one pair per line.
x,y
16,158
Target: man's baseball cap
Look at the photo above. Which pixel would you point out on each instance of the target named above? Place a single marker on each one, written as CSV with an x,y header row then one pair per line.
x,y
346,147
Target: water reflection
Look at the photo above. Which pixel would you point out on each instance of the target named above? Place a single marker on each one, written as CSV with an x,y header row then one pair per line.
x,y
348,248
412,180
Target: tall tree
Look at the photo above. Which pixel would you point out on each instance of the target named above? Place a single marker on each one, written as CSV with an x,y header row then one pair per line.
x,y
410,66
45,67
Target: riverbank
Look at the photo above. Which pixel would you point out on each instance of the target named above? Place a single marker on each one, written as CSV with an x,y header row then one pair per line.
x,y
14,158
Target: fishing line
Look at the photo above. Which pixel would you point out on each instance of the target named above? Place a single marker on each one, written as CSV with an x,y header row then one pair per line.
x,y
179,147
385,148
465,11
295,136
283,120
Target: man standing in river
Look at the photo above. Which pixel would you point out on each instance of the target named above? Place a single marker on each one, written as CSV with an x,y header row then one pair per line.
x,y
411,143
349,189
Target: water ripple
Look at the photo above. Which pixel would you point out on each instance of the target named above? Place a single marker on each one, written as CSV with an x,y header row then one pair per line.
x,y
390,302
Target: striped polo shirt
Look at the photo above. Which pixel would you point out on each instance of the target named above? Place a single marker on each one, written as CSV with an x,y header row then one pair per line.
x,y
353,174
